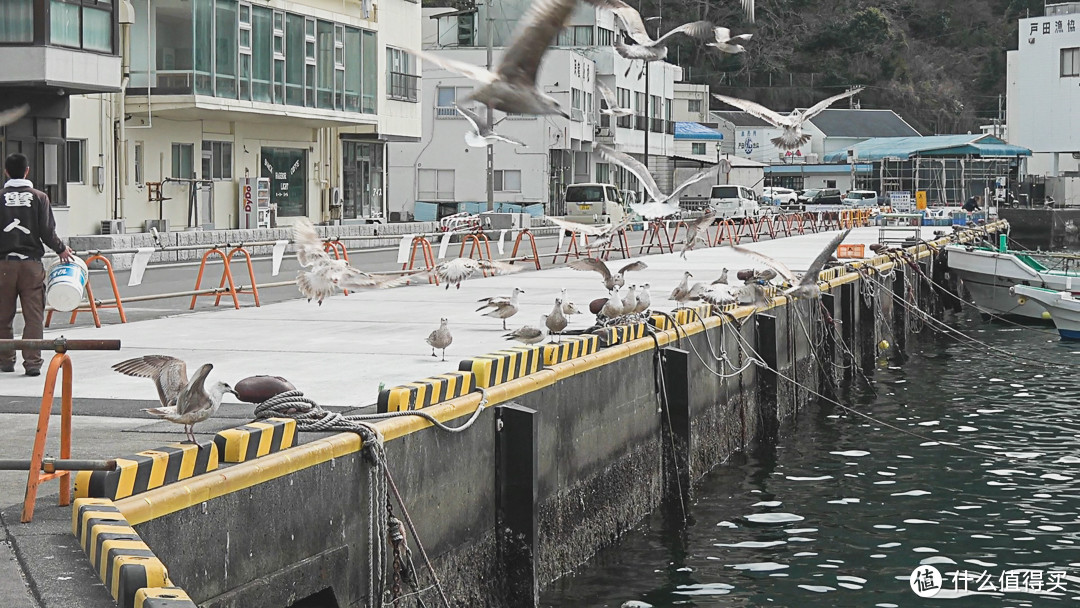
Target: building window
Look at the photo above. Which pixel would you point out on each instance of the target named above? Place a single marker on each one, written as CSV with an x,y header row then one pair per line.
x,y
76,159
602,173
639,104
447,97
507,180
693,106
217,160
326,52
401,79
605,37
435,185
137,158
697,148
84,24
183,161
17,21
1070,62
624,102
583,35
263,40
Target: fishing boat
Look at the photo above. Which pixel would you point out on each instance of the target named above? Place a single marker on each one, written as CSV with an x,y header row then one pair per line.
x,y
989,274
1063,308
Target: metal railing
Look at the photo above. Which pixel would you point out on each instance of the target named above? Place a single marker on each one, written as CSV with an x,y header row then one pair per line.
x,y
403,86
669,127
446,112
641,123
625,122
656,125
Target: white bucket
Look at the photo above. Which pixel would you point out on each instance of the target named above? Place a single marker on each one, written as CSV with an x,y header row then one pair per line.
x,y
64,284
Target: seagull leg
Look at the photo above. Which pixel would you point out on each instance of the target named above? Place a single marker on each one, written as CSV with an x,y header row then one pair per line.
x,y
433,352
443,354
504,324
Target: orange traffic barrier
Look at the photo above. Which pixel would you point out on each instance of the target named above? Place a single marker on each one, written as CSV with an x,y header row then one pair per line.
x,y
535,258
656,235
726,230
422,244
475,248
60,362
747,227
766,220
571,249
618,243
94,306
226,277
253,290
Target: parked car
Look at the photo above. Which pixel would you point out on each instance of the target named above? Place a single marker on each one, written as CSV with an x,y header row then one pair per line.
x,y
861,198
820,196
594,204
779,196
731,201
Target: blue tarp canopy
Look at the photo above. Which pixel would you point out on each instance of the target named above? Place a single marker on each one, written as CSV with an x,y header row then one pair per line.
x,y
879,148
800,169
696,130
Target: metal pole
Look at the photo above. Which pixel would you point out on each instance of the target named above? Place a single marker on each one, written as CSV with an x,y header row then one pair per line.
x,y
49,465
648,124
60,345
490,118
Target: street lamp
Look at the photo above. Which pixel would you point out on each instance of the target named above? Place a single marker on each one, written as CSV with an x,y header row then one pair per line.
x,y
717,163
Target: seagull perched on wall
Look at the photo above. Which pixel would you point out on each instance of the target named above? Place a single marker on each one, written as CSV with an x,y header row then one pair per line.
x,y
454,271
805,286
182,401
326,274
440,338
660,205
482,134
512,86
611,280
612,103
12,114
792,124
502,307
725,42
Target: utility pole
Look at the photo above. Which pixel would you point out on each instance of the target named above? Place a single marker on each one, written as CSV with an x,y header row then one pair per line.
x,y
999,120
490,115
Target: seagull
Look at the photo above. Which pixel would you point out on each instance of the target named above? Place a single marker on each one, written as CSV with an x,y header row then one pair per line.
x,y
629,301
612,103
512,86
727,43
659,207
556,320
722,279
613,307
805,286
327,274
647,49
611,281
482,134
454,271
599,230
182,401
568,307
527,334
440,338
681,293
644,300
12,114
694,231
792,124
502,307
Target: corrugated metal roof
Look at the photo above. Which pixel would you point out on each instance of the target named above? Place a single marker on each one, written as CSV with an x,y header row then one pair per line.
x,y
695,130
740,119
879,148
841,122
815,169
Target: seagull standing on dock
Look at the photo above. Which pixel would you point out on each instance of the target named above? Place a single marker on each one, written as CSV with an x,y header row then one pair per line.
x,y
568,307
454,271
681,293
440,338
792,123
556,321
482,134
527,334
502,307
644,300
182,401
611,281
805,286
660,205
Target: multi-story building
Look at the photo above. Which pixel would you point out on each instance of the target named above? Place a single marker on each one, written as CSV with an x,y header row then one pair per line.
x,y
1044,90
558,150
52,52
306,94
691,103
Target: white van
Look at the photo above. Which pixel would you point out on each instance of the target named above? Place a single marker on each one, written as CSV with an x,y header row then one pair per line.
x,y
731,201
594,203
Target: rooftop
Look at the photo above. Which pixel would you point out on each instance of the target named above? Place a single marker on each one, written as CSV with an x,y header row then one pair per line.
x,y
696,130
842,122
739,118
904,148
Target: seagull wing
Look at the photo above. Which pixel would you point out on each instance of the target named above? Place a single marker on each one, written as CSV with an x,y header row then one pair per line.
x,y
168,373
748,9
693,179
479,124
12,114
456,270
535,33
721,34
706,220
195,393
755,109
309,247
702,30
635,51
633,166
590,230
499,267
608,95
818,107
815,267
639,265
629,20
508,140
776,265
654,210
467,70
592,264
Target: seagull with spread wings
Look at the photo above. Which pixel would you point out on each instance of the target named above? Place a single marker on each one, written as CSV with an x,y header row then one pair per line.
x,y
611,280
183,401
792,123
695,231
453,272
629,20
725,42
12,114
512,86
326,274
611,102
660,205
482,134
805,286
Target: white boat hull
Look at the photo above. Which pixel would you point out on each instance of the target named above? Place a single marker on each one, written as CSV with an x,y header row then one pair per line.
x,y
1062,307
989,275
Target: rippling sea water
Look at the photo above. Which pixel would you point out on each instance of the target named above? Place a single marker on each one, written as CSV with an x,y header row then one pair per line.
x,y
841,510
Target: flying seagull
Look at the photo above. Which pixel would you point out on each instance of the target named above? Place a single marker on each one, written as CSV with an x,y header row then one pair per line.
x,y
659,207
182,401
454,271
512,86
695,230
612,102
482,134
725,42
440,338
12,114
647,49
805,286
502,307
792,124
326,274
611,281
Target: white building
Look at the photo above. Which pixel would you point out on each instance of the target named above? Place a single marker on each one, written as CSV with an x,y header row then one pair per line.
x,y
1044,90
691,103
558,150
749,137
304,93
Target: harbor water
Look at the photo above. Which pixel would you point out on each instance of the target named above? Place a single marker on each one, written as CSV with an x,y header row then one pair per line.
x,y
970,465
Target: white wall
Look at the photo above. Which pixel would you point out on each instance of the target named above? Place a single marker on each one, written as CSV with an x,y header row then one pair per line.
x,y
684,92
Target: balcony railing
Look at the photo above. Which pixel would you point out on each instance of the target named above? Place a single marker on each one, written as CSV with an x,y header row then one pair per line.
x,y
446,112
670,127
625,122
403,87
605,120
641,123
656,125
